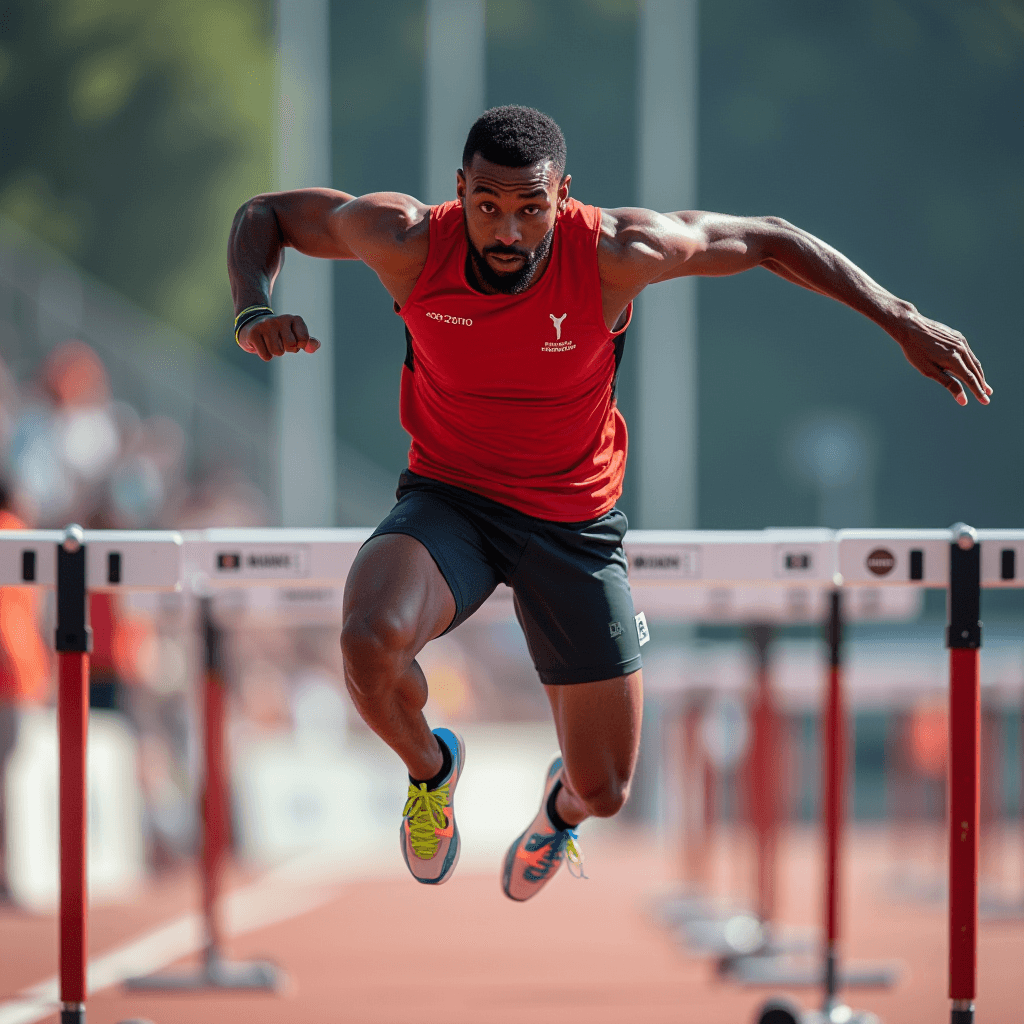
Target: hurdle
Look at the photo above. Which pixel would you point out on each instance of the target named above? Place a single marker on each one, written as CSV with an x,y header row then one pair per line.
x,y
75,562
663,566
962,561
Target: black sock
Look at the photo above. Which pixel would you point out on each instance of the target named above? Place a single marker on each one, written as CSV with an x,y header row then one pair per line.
x,y
446,767
553,815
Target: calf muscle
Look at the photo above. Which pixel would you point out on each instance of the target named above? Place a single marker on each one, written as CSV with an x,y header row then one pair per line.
x,y
598,727
396,600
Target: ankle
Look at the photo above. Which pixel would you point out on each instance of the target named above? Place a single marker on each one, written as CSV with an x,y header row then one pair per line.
x,y
559,815
432,782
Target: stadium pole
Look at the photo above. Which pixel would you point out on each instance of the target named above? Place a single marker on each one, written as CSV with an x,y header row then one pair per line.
x,y
667,314
304,384
453,91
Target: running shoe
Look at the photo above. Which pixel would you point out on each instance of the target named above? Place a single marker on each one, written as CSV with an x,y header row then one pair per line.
x,y
535,857
429,835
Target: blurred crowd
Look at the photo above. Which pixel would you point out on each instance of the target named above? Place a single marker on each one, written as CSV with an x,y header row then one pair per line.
x,y
71,452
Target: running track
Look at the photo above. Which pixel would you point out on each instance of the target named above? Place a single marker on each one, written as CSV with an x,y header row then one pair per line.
x,y
372,947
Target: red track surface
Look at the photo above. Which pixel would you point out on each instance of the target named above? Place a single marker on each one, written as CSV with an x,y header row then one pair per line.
x,y
385,950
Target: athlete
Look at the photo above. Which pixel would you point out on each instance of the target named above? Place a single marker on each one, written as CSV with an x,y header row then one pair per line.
x,y
515,299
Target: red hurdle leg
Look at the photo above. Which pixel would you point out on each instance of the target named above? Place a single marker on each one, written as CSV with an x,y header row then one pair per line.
x,y
73,722
73,642
215,817
963,637
833,747
964,820
215,841
763,777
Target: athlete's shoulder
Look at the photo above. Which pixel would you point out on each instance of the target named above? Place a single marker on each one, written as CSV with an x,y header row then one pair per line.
x,y
631,237
391,218
390,233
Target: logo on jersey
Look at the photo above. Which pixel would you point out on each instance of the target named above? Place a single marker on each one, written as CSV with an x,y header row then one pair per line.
x,y
446,318
557,345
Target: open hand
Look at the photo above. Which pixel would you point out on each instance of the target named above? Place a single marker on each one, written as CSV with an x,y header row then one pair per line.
x,y
270,336
943,354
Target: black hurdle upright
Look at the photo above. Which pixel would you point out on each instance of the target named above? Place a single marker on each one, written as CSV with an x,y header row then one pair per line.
x,y
215,840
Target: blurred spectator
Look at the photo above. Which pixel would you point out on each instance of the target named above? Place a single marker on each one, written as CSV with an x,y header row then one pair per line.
x,y
65,438
77,455
24,664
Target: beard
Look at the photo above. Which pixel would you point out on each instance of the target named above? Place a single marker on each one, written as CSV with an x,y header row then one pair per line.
x,y
515,281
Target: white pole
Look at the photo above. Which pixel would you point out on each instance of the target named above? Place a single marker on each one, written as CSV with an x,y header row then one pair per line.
x,y
666,441
453,89
304,384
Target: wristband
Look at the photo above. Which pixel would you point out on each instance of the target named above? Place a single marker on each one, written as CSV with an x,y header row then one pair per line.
x,y
249,314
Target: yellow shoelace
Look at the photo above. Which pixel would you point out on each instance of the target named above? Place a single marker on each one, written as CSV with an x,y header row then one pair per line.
x,y
573,855
425,811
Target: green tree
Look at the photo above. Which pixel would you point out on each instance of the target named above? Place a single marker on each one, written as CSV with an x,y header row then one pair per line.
x,y
130,132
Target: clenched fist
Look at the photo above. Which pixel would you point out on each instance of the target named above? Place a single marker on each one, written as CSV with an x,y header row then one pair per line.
x,y
273,335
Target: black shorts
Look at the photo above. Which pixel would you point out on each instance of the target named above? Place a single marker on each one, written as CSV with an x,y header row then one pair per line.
x,y
569,580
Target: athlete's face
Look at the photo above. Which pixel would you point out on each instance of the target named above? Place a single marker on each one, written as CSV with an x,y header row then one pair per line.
x,y
510,214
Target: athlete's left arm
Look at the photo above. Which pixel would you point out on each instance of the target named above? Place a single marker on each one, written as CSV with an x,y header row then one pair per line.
x,y
640,247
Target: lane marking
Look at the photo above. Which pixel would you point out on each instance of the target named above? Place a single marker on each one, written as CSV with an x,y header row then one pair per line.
x,y
257,905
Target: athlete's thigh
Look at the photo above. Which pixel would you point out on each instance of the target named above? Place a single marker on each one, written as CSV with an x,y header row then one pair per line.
x,y
598,727
395,583
573,601
425,562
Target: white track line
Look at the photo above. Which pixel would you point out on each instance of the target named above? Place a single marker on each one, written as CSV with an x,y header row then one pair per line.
x,y
254,906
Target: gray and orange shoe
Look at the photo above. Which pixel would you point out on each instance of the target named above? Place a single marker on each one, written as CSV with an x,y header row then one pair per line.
x,y
429,835
535,857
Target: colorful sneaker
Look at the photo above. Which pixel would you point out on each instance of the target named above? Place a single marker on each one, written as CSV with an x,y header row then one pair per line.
x,y
535,857
429,835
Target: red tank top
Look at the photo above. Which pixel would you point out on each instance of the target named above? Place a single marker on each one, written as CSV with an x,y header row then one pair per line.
x,y
510,396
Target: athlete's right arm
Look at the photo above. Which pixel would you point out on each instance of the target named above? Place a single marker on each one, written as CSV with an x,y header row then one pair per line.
x,y
388,231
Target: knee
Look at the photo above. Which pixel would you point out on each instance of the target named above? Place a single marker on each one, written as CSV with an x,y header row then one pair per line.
x,y
376,646
604,798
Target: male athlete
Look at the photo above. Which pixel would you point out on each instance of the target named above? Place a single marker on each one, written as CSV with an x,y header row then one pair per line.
x,y
515,299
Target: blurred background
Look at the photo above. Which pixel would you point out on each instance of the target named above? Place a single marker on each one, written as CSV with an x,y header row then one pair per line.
x,y
131,132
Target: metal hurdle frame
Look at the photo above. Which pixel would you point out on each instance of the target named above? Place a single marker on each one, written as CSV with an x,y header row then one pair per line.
x,y
76,562
217,560
663,561
660,563
960,560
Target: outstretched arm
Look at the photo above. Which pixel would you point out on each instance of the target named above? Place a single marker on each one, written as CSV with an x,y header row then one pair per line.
x,y
640,247
386,230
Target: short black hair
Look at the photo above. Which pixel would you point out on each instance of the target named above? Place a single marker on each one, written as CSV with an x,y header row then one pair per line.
x,y
514,136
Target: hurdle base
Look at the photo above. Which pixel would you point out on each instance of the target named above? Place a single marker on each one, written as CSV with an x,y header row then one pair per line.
x,y
962,1012
840,1013
784,972
215,973
783,1011
739,935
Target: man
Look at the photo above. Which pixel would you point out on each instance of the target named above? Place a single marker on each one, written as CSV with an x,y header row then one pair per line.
x,y
515,300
